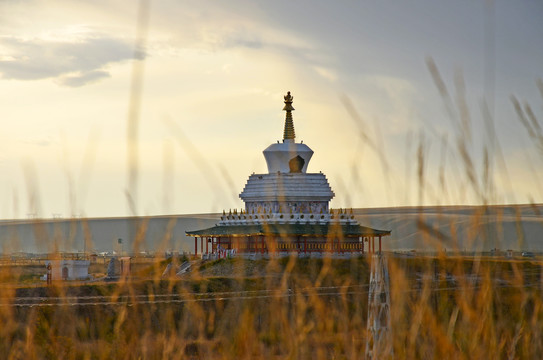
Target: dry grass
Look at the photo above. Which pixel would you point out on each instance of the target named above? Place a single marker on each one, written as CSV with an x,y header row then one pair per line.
x,y
288,308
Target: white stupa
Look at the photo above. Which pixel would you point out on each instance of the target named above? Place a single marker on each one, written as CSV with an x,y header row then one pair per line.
x,y
287,210
287,188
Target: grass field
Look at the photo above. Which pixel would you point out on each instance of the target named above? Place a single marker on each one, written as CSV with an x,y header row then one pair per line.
x,y
285,308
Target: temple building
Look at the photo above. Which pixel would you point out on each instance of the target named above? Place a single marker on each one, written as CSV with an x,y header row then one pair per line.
x,y
287,210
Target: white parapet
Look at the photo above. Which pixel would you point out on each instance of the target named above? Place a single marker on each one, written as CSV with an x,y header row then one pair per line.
x,y
280,218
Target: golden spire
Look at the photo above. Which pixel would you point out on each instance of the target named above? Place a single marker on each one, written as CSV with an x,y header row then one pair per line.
x,y
288,133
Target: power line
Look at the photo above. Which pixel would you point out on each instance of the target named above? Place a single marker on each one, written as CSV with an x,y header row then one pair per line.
x,y
207,297
200,294
180,301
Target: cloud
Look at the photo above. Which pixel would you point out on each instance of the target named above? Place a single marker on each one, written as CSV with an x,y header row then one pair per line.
x,y
74,62
326,73
83,78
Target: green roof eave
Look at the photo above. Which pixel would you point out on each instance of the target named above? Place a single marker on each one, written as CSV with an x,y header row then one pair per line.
x,y
289,229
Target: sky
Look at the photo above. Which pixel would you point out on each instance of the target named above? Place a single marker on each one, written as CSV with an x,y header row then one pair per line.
x,y
403,103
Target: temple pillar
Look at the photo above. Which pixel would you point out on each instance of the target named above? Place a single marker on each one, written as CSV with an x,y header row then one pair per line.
x,y
195,246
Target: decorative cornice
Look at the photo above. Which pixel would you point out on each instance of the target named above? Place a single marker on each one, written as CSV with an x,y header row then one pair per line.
x,y
287,187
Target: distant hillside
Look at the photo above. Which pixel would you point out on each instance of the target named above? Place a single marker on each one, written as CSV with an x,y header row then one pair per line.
x,y
156,233
517,227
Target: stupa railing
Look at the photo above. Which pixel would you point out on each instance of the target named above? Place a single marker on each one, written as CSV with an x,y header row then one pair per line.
x,y
281,218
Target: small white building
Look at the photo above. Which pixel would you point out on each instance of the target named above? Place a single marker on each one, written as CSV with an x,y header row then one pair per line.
x,y
69,269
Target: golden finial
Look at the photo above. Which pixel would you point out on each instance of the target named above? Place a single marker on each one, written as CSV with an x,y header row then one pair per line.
x,y
288,101
288,133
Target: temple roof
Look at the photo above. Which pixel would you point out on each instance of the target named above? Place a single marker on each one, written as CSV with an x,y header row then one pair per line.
x,y
290,229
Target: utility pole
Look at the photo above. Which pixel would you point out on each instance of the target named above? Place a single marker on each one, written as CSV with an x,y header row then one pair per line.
x,y
379,339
